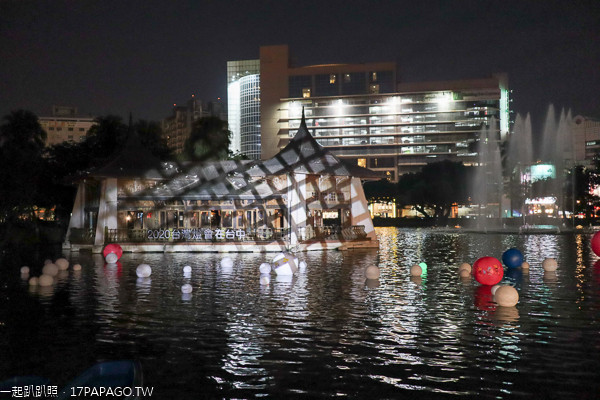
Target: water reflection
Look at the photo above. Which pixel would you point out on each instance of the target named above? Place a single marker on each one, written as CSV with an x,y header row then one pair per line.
x,y
243,335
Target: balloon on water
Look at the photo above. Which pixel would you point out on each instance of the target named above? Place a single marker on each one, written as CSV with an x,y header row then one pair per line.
x,y
512,258
488,271
143,271
596,243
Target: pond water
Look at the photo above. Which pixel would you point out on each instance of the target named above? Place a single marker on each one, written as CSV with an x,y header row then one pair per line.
x,y
326,332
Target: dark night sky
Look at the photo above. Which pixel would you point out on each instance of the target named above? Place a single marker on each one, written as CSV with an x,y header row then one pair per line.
x,y
142,56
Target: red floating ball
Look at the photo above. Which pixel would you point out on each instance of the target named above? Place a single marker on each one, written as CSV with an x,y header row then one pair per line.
x,y
488,271
112,248
596,243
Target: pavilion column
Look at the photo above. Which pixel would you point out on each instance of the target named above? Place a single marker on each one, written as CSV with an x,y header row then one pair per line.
x,y
78,214
107,210
296,195
359,211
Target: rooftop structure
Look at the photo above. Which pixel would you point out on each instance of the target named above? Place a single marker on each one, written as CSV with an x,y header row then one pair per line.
x,y
272,205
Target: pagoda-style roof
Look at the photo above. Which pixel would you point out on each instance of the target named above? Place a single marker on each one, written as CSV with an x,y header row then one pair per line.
x,y
303,154
133,160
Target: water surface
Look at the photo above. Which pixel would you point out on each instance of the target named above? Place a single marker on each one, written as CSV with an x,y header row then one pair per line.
x,y
325,333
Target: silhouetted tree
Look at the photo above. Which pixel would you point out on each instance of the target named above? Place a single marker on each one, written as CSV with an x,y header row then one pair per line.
x,y
150,133
380,190
209,140
435,189
21,164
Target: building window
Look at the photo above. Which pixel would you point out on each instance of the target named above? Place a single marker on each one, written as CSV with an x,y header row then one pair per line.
x,y
373,89
305,92
332,78
373,76
347,78
362,162
51,128
81,129
59,129
70,129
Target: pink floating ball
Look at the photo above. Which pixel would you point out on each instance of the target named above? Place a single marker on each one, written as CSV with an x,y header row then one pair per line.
x,y
596,243
488,271
525,265
112,248
464,273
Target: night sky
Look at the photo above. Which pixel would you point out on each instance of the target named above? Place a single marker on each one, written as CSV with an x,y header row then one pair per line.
x,y
116,57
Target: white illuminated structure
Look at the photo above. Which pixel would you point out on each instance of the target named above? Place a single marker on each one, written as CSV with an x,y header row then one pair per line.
x,y
243,105
304,198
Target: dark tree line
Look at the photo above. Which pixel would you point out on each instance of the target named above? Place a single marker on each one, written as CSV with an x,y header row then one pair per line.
x,y
34,176
431,191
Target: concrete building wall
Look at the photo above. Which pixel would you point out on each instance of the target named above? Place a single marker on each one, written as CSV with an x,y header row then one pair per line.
x,y
585,132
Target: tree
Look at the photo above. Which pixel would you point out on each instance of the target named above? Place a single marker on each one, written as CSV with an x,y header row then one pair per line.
x,y
105,136
21,164
380,190
435,188
209,140
150,133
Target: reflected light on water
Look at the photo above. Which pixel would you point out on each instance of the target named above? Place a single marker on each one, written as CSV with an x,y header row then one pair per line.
x,y
238,336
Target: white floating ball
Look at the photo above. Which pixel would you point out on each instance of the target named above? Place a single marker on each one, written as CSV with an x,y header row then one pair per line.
x,y
464,266
494,288
50,269
187,269
285,265
62,264
265,268
265,279
46,280
143,270
33,281
77,267
278,257
186,296
372,272
24,270
227,262
416,270
187,288
549,264
302,266
111,258
506,296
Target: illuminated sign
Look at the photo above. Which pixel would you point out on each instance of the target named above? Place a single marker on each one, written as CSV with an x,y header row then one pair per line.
x,y
541,201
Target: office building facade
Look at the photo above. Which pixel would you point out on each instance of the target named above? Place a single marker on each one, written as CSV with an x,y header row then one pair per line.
x,y
243,104
65,125
360,113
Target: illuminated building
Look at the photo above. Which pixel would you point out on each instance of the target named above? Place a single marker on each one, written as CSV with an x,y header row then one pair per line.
x,y
304,198
360,112
243,104
586,139
65,126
